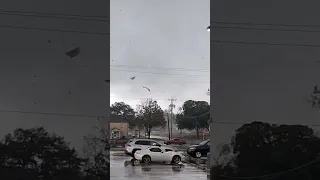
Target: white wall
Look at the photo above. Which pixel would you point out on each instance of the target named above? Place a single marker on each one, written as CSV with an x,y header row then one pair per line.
x,y
259,82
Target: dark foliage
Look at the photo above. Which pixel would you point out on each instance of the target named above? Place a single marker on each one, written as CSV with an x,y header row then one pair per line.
x,y
35,154
262,148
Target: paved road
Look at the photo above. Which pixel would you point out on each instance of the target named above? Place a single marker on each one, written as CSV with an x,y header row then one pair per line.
x,y
120,170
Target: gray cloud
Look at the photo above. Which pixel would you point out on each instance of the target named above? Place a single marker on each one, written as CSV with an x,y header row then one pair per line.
x,y
163,34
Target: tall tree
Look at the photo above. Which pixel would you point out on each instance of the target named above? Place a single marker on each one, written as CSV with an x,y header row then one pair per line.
x,y
263,148
97,152
38,154
150,115
194,116
124,110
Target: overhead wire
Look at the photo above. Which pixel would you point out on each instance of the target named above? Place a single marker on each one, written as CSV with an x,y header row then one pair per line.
x,y
264,24
139,98
242,123
158,73
162,68
53,30
265,43
255,28
54,14
50,114
53,17
264,29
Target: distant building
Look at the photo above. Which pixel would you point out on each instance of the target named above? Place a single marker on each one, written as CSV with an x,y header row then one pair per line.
x,y
119,127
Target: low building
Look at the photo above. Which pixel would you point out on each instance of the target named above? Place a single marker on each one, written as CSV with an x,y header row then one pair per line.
x,y
119,127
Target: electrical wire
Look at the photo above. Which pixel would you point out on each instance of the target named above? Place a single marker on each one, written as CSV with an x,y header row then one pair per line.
x,y
50,114
273,174
53,30
264,29
265,43
53,17
139,98
155,73
265,24
162,68
194,117
54,14
242,123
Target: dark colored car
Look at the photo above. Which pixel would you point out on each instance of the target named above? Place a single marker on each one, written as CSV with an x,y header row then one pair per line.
x,y
176,141
199,150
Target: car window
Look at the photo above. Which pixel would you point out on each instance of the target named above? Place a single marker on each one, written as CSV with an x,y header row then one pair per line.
x,y
152,142
204,142
167,150
155,149
141,142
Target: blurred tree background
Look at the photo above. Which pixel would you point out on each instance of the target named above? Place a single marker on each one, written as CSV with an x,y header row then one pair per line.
x,y
38,155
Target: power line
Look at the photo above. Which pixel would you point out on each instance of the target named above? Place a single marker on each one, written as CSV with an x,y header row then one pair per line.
x,y
50,114
242,123
53,17
194,117
162,68
53,30
265,24
264,29
171,83
139,98
265,43
54,14
194,75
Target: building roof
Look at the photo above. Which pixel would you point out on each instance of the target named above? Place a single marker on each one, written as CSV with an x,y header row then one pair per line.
x,y
117,119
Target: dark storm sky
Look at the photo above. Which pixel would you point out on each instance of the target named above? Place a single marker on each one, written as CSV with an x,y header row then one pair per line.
x,y
260,82
27,53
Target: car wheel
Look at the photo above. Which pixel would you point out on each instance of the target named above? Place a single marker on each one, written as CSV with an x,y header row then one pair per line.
x,y
146,159
198,154
176,159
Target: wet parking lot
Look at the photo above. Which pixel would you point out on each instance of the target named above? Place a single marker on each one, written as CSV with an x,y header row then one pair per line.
x,y
121,169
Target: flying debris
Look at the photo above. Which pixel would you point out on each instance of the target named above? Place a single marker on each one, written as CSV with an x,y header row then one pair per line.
x,y
107,81
132,78
208,28
69,92
146,88
49,41
73,53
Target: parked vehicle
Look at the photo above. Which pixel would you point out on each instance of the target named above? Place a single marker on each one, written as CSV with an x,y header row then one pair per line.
x,y
199,150
140,144
158,154
176,141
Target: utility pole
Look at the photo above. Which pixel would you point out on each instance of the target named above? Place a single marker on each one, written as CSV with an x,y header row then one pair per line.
x,y
171,112
168,126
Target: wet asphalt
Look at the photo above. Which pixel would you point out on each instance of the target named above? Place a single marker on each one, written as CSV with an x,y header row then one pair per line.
x,y
122,169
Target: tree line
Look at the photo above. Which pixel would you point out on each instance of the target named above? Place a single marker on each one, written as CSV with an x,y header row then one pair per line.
x,y
193,115
39,155
261,150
